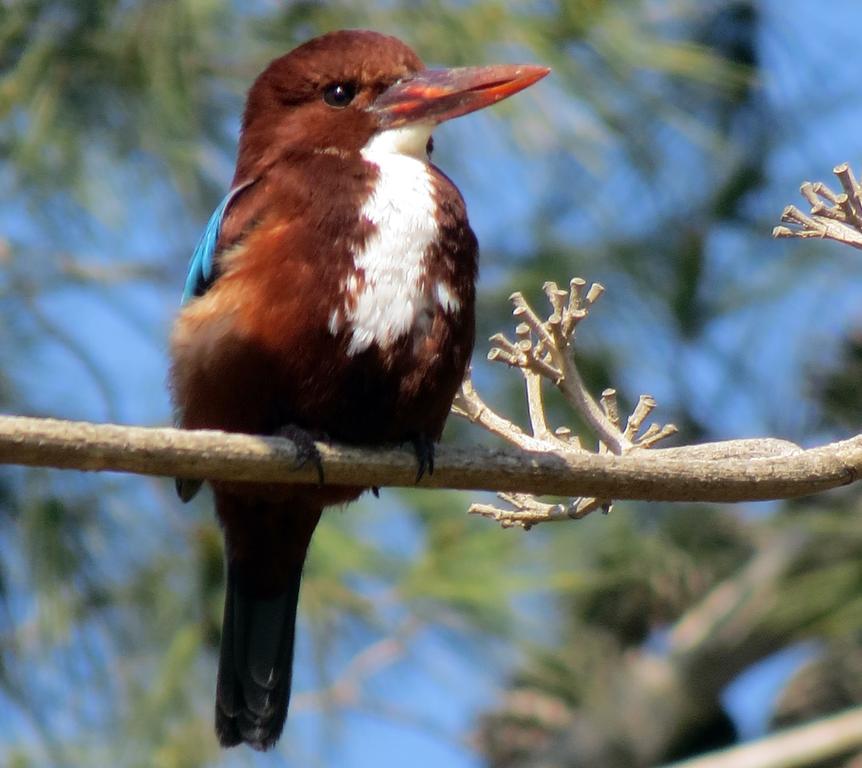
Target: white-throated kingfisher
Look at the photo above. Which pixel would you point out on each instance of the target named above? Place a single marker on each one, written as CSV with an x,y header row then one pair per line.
x,y
333,293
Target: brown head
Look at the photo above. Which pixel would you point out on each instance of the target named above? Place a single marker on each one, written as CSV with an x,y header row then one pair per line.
x,y
335,92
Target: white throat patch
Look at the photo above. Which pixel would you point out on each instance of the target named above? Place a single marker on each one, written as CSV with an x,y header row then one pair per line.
x,y
388,296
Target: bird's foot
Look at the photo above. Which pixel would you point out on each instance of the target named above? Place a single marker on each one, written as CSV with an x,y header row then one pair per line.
x,y
306,450
424,448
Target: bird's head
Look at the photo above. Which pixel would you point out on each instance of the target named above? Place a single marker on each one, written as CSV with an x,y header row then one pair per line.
x,y
335,93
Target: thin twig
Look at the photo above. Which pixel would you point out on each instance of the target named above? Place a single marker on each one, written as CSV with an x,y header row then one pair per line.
x,y
832,216
544,350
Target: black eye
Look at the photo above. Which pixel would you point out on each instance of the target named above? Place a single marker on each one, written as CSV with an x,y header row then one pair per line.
x,y
339,94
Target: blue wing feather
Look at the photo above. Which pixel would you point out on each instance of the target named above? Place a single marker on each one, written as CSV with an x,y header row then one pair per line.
x,y
200,277
201,273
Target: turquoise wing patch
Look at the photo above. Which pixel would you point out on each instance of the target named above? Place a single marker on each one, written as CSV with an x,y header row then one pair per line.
x,y
201,274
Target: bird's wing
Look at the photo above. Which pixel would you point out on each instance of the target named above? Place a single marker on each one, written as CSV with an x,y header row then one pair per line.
x,y
201,273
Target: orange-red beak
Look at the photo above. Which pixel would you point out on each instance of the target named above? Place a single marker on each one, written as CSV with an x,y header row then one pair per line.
x,y
435,95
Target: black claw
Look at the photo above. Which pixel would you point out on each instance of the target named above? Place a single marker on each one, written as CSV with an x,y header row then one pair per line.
x,y
376,491
187,489
306,450
424,448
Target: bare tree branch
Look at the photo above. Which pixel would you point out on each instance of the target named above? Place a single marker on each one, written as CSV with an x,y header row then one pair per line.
x,y
833,216
548,461
544,353
805,745
736,470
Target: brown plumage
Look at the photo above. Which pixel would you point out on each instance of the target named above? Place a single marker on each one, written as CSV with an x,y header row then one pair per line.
x,y
276,339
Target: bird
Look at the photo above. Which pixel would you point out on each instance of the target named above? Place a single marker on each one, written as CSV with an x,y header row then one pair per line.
x,y
331,296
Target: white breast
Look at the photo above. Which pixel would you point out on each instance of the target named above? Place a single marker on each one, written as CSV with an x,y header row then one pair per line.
x,y
387,295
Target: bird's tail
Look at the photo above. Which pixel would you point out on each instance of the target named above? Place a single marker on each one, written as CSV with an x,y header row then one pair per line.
x,y
264,567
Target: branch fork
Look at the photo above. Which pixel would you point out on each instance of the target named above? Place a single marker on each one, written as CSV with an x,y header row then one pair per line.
x,y
543,351
832,216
